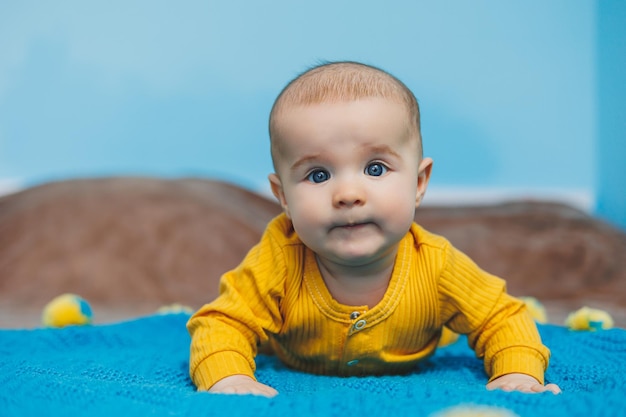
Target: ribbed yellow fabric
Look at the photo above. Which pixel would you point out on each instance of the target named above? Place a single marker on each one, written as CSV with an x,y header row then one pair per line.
x,y
278,295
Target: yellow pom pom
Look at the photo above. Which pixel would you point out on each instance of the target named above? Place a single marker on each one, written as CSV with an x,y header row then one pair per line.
x,y
66,310
447,337
475,411
536,309
175,309
589,319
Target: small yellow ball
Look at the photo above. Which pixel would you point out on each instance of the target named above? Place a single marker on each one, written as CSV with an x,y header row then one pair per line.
x,y
175,308
67,310
589,319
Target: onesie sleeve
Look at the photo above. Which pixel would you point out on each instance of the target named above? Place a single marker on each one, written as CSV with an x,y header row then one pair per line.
x,y
225,333
498,326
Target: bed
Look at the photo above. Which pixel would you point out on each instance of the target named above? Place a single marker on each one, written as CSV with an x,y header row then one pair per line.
x,y
132,245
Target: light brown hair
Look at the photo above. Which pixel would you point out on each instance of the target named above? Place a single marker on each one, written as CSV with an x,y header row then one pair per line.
x,y
343,81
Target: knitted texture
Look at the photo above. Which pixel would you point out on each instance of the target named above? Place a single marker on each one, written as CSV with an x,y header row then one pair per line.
x,y
140,368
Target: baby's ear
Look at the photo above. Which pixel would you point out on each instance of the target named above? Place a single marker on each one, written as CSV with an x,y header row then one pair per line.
x,y
423,177
277,190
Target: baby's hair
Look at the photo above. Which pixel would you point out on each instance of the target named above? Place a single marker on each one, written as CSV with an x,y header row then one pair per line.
x,y
343,81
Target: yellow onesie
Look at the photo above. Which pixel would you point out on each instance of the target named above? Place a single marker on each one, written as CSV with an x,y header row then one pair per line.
x,y
277,296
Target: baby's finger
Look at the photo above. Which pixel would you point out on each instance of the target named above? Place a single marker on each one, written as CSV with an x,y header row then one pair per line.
x,y
553,388
266,391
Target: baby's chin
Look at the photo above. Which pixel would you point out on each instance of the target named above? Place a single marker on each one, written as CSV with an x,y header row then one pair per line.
x,y
351,257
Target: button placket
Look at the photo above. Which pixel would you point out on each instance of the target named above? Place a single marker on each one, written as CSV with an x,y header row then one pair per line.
x,y
357,325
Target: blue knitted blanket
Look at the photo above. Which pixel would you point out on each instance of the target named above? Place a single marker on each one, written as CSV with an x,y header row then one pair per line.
x,y
139,368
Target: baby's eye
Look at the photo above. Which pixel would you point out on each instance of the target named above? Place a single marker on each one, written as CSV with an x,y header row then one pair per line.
x,y
375,169
318,175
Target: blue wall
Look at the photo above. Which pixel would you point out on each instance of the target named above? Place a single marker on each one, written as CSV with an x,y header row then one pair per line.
x,y
611,186
509,90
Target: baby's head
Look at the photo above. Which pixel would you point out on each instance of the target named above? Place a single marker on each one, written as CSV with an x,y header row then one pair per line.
x,y
341,82
347,154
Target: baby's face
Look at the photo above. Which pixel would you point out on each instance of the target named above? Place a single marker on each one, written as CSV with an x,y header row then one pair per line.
x,y
347,176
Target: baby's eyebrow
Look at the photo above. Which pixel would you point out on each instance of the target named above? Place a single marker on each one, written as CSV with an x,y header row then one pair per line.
x,y
383,149
304,160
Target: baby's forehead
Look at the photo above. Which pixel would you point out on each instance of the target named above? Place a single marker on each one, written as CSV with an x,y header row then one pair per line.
x,y
376,118
294,112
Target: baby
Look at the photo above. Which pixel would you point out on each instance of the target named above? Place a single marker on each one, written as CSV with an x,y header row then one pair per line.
x,y
344,282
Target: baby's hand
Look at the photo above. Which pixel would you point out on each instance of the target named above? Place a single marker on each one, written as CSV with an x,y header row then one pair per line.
x,y
242,384
522,383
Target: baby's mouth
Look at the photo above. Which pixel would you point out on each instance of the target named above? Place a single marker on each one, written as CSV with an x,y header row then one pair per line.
x,y
352,225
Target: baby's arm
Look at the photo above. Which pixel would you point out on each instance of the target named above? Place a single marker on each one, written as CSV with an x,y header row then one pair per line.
x,y
522,383
242,384
499,328
226,332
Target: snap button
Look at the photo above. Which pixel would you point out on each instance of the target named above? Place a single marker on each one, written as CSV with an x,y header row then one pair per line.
x,y
360,324
354,315
352,362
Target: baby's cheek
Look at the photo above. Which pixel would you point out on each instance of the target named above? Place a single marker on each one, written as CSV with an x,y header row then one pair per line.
x,y
400,210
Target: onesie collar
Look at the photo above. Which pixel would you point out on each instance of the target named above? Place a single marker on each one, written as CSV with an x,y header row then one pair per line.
x,y
317,290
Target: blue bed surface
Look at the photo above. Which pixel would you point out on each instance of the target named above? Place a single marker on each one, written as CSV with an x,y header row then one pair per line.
x,y
140,368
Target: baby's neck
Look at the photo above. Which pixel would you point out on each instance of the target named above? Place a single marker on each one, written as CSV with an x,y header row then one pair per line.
x,y
357,286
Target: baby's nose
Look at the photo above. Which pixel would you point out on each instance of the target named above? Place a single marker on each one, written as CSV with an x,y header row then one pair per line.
x,y
348,195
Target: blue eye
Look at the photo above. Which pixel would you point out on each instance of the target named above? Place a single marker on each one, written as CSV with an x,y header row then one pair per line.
x,y
375,169
317,176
